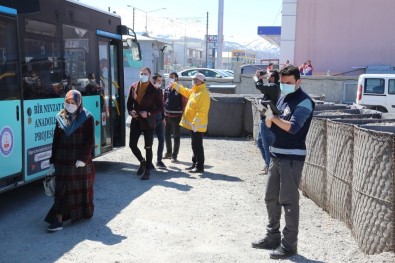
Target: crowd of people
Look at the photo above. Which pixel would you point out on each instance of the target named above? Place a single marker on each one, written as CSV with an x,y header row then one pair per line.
x,y
286,112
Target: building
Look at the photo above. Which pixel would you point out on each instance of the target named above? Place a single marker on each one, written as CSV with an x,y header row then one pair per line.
x,y
244,56
339,37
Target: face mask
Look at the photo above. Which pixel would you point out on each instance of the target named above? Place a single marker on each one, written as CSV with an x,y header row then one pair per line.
x,y
158,85
287,88
143,78
71,108
171,81
193,83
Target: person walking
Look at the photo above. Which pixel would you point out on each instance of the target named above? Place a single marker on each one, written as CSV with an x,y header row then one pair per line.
x,y
174,106
271,91
195,117
157,80
143,104
288,154
71,162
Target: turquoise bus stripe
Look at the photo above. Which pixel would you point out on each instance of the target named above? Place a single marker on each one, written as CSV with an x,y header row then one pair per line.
x,y
8,10
108,34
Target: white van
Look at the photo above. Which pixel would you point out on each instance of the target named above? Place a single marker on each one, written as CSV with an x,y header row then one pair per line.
x,y
377,91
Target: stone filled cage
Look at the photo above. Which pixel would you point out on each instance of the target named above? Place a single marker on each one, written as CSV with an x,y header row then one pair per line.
x,y
349,172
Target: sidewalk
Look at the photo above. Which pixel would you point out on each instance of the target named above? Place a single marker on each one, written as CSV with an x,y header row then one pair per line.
x,y
174,217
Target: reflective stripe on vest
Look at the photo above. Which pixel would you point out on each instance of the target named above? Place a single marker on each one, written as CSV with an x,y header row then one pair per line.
x,y
287,151
190,124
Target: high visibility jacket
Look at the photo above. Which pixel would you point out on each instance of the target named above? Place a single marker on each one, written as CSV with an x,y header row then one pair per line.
x,y
195,115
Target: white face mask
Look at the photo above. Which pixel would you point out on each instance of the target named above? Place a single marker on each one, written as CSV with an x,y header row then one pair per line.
x,y
71,108
193,83
171,81
143,78
158,85
287,88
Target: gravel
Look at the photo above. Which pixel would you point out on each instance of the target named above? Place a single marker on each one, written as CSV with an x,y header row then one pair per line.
x,y
174,217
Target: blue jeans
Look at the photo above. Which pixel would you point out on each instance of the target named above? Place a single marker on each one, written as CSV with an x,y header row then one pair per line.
x,y
160,133
172,127
264,141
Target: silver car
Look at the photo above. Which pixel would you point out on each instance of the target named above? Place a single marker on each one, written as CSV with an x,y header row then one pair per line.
x,y
207,72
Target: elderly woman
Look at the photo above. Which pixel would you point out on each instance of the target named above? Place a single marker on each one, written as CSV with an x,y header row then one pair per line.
x,y
71,162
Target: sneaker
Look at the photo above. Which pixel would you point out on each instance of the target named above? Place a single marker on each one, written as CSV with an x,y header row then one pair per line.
x,y
191,167
167,156
160,164
55,226
281,253
264,171
174,159
264,244
197,170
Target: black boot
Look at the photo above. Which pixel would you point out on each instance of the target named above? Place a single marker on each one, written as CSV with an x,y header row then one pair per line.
x,y
142,168
146,175
191,167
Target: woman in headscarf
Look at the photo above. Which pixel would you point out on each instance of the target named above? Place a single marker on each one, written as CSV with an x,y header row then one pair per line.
x,y
71,160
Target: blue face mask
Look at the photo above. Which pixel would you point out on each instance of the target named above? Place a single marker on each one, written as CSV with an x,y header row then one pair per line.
x,y
287,88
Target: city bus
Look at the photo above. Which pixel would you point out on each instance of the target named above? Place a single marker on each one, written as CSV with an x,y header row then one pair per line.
x,y
48,47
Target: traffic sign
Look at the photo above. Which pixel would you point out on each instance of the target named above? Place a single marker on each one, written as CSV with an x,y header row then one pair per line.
x,y
211,38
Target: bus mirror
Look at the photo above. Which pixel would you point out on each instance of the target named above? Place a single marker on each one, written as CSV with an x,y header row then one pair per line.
x,y
136,51
129,41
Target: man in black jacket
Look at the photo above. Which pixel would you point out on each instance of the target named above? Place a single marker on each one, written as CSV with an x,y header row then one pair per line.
x,y
288,154
271,91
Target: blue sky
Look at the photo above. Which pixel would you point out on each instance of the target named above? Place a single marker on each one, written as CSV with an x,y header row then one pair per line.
x,y
241,18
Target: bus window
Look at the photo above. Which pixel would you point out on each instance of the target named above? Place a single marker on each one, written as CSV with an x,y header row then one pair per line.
x,y
41,69
8,62
76,45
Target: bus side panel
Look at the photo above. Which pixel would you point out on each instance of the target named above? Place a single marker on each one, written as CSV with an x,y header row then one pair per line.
x,y
39,123
10,138
92,104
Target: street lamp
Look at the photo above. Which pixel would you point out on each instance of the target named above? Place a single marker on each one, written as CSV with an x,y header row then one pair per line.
x,y
146,15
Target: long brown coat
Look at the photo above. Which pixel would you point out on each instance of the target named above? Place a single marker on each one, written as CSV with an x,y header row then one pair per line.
x,y
74,186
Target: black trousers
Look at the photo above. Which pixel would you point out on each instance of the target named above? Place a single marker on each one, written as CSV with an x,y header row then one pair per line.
x,y
197,149
135,133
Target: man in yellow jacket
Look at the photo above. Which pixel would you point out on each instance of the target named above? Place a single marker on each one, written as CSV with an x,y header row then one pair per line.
x,y
195,117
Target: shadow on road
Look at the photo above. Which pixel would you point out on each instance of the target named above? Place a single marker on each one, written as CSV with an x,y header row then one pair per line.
x,y
22,211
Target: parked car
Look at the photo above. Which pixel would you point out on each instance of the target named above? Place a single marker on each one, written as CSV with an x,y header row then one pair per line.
x,y
252,68
208,72
230,72
377,91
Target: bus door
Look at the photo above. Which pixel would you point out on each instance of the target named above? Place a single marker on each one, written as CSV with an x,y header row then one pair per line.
x,y
111,108
10,101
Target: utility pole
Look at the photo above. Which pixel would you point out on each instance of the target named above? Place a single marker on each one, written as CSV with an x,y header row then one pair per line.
x,y
133,19
207,42
220,32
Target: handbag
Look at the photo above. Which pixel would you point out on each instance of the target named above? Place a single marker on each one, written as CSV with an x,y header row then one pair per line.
x,y
49,185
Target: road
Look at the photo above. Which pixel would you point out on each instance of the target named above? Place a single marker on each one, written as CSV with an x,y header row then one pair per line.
x,y
174,217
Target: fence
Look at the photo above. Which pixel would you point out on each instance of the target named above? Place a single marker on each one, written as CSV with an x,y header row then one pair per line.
x,y
349,172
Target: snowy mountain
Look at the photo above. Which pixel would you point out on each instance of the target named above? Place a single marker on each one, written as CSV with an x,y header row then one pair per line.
x,y
194,29
260,46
